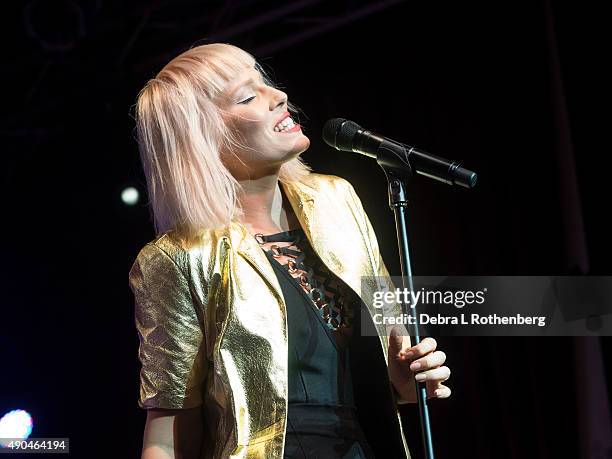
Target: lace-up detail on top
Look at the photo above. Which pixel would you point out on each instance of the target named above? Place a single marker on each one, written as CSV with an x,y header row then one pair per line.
x,y
330,298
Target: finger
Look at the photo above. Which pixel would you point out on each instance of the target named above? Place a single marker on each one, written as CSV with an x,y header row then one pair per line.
x,y
395,342
433,360
441,391
436,374
424,347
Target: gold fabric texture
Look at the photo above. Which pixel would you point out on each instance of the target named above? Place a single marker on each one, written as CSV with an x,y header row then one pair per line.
x,y
211,318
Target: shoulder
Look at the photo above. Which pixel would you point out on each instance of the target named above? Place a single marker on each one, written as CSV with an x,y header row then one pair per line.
x,y
327,183
338,191
166,250
321,181
166,244
172,252
341,190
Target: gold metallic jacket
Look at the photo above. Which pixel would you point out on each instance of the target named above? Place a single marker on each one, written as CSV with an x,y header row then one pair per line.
x,y
212,325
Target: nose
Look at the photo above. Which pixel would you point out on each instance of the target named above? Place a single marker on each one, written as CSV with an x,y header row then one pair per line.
x,y
278,98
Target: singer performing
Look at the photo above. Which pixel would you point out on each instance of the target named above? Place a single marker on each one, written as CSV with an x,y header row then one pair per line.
x,y
245,301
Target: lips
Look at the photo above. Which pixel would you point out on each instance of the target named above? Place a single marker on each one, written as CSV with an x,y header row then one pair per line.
x,y
282,117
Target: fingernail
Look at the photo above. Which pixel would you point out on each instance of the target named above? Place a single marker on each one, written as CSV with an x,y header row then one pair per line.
x,y
437,392
409,354
415,366
419,377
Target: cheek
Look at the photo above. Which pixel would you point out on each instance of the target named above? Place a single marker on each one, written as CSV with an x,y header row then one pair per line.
x,y
250,127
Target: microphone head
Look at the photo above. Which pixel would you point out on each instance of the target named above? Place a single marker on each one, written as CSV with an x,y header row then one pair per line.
x,y
339,133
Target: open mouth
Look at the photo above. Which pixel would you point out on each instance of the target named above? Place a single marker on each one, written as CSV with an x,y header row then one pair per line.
x,y
286,125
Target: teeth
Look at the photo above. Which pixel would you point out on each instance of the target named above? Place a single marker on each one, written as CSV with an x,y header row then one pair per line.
x,y
284,125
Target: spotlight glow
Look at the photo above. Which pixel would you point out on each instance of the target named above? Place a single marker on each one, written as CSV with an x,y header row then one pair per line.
x,y
130,196
15,424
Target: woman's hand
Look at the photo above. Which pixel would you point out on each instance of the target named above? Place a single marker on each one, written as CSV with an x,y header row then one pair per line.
x,y
422,362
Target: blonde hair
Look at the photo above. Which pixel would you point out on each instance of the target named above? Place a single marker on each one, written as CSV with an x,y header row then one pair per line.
x,y
181,134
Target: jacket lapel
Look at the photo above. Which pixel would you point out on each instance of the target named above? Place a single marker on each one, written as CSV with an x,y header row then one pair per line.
x,y
249,249
323,233
301,199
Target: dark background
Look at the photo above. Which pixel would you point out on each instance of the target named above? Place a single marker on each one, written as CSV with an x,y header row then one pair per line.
x,y
514,89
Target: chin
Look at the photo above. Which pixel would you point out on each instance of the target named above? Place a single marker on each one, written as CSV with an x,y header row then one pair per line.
x,y
299,146
303,143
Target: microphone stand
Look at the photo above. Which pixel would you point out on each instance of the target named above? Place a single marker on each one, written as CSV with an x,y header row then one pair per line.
x,y
397,179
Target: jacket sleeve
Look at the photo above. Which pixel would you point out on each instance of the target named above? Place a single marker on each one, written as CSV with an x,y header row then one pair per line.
x,y
171,338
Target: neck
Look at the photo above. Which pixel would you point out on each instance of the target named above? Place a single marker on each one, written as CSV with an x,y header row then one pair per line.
x,y
265,210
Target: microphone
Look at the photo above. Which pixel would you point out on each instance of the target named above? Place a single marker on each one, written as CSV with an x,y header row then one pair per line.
x,y
346,135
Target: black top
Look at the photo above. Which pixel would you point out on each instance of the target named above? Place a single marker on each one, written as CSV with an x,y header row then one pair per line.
x,y
322,418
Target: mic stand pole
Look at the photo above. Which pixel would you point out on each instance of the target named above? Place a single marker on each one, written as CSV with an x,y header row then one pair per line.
x,y
398,202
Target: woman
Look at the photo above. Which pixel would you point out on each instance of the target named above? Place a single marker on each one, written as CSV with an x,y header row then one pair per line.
x,y
253,340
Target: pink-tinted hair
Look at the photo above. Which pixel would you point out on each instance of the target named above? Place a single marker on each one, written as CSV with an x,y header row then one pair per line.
x,y
181,134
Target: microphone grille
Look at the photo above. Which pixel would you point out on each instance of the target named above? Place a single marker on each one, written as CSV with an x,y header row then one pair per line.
x,y
339,133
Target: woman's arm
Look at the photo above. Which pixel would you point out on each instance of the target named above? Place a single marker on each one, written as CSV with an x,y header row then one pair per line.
x,y
173,434
171,351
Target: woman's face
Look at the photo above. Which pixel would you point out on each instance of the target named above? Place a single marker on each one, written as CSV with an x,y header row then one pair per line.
x,y
253,111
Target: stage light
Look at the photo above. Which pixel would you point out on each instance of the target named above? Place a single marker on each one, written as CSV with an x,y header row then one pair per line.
x,y
130,196
15,424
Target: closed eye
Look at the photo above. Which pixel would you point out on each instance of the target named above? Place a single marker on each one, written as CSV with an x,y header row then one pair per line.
x,y
246,101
